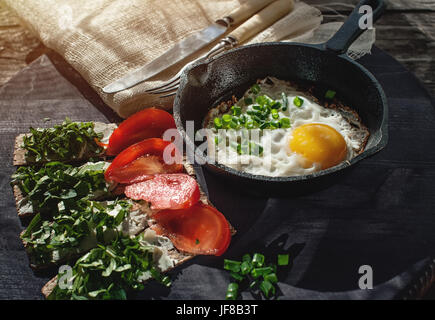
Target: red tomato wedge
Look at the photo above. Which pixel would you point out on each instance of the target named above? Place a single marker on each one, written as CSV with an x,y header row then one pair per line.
x,y
148,123
142,160
166,191
200,229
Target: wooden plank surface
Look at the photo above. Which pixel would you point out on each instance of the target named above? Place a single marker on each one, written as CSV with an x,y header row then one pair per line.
x,y
406,31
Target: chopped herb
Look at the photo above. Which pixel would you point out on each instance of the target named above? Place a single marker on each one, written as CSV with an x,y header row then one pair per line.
x,y
67,141
73,231
236,276
330,94
255,271
226,118
285,101
271,277
246,258
267,288
56,182
232,265
283,259
245,267
255,89
217,123
275,114
109,271
298,102
232,291
237,111
196,241
258,260
276,105
248,101
242,119
285,123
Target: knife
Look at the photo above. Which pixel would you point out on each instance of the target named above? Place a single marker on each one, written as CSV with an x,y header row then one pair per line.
x,y
188,46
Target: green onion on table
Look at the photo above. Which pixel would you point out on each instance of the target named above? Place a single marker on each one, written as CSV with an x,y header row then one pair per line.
x,y
255,272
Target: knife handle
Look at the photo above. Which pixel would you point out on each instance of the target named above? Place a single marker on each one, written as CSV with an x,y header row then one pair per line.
x,y
246,10
262,20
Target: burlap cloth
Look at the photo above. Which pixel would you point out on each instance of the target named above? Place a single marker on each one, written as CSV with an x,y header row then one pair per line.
x,y
106,39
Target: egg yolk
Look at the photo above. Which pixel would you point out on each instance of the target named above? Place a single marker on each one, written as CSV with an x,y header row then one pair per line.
x,y
319,143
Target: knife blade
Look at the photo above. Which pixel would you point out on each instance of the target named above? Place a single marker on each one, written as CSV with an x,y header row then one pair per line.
x,y
187,46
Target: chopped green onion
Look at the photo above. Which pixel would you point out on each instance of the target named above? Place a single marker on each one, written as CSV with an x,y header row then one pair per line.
x,y
298,102
245,267
264,125
285,100
275,114
247,258
242,119
232,265
166,281
262,101
256,119
197,240
216,140
255,89
232,291
267,288
271,277
237,111
253,284
248,101
330,94
276,105
236,276
257,107
257,272
233,125
250,125
285,123
258,260
276,124
226,118
217,123
283,259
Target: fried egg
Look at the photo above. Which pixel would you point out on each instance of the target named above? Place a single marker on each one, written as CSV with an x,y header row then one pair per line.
x,y
317,137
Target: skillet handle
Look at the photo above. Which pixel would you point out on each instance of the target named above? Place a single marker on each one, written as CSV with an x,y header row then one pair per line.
x,y
351,30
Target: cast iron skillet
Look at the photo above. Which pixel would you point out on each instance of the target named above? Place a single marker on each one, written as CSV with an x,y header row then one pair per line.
x,y
326,66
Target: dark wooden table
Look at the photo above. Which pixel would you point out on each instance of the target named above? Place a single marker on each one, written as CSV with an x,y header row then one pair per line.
x,y
406,31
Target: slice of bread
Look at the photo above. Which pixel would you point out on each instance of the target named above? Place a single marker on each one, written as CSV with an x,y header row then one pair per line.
x,y
20,160
180,257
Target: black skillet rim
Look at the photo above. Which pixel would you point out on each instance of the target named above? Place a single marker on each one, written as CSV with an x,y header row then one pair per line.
x,y
383,130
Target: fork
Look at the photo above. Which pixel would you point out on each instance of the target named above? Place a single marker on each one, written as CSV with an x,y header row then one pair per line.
x,y
257,23
170,86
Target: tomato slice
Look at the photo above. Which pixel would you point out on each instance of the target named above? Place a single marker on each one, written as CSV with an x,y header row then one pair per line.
x,y
166,191
200,229
142,160
148,123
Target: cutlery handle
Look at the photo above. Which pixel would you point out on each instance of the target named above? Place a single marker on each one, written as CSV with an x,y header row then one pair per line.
x,y
262,20
246,10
